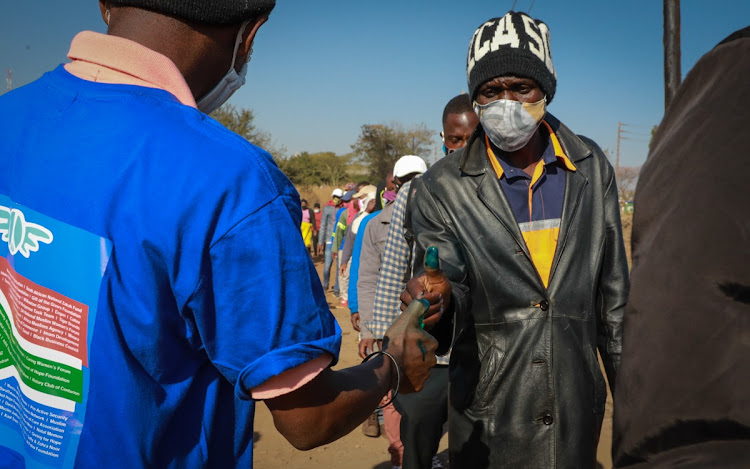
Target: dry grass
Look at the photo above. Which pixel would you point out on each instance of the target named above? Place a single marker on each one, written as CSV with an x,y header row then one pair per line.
x,y
313,194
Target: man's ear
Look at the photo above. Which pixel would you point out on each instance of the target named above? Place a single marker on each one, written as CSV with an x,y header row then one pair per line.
x,y
249,35
104,11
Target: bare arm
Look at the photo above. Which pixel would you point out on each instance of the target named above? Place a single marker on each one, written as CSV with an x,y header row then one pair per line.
x,y
332,404
336,402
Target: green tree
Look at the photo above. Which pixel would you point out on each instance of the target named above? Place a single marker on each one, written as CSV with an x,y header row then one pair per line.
x,y
242,122
305,169
653,134
379,146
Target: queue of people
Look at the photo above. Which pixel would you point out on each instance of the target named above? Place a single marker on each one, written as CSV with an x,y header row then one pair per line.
x,y
505,259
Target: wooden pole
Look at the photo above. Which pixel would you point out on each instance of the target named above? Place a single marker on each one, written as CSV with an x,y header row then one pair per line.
x,y
672,67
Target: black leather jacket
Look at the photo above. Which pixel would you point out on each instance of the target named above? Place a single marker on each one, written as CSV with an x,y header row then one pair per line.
x,y
526,390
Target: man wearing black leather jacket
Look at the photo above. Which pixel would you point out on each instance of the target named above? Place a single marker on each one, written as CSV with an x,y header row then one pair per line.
x,y
527,223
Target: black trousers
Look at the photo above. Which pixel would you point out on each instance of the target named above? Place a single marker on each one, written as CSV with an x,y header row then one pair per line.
x,y
422,417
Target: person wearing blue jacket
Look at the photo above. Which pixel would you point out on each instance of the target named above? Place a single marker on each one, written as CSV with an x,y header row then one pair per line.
x,y
141,315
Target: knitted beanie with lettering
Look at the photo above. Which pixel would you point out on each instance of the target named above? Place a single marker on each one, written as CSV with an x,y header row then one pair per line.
x,y
205,11
515,44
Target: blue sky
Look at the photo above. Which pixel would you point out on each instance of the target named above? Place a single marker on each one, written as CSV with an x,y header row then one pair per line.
x,y
322,69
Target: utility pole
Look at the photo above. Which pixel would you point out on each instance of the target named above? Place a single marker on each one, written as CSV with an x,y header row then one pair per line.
x,y
624,134
9,81
672,67
619,135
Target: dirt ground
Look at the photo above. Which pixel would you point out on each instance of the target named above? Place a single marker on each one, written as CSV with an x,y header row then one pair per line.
x,y
356,451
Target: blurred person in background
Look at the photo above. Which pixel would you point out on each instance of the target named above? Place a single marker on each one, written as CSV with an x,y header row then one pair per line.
x,y
385,185
307,226
325,238
318,216
361,200
342,222
355,259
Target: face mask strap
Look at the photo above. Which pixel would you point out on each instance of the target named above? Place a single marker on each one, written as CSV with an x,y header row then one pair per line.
x,y
229,83
238,41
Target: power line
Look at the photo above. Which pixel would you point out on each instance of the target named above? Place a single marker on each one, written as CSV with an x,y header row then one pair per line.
x,y
640,126
636,134
629,135
620,136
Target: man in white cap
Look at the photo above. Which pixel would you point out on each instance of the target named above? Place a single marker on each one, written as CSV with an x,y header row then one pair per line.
x,y
325,237
534,277
374,254
423,418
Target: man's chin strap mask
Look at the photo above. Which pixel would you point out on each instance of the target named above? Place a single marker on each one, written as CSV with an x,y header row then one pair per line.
x,y
230,83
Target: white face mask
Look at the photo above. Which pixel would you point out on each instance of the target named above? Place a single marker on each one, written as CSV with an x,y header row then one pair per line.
x,y
230,83
510,124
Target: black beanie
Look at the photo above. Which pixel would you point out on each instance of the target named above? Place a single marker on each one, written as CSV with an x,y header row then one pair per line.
x,y
515,44
205,11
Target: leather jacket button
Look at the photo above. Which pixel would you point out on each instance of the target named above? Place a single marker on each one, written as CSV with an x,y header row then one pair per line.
x,y
544,305
547,420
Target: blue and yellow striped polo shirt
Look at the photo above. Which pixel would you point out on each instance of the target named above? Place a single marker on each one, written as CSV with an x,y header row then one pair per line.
x,y
537,200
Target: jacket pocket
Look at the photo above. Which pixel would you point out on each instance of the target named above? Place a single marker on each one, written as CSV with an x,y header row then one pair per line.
x,y
490,375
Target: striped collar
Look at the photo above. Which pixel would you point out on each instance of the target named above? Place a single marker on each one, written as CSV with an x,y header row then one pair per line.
x,y
559,154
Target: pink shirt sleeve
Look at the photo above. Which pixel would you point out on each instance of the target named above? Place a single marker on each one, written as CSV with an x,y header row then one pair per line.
x,y
291,379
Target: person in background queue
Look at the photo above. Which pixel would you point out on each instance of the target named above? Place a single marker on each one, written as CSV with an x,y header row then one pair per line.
x,y
360,223
325,238
459,122
359,199
187,316
385,185
534,275
318,217
423,418
373,254
338,243
308,226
